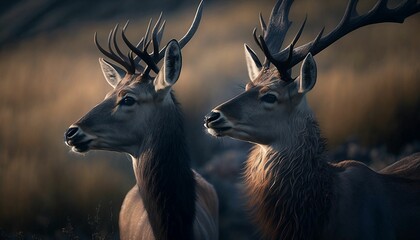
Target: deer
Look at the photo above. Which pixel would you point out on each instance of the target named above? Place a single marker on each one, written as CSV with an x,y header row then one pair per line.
x,y
293,190
141,117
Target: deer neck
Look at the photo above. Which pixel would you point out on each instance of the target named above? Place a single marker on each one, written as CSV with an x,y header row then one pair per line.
x,y
289,184
164,177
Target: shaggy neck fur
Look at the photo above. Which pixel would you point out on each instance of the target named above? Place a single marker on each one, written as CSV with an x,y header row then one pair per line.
x,y
164,176
290,187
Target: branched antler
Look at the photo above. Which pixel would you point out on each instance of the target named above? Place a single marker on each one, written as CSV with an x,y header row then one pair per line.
x,y
273,35
131,63
129,67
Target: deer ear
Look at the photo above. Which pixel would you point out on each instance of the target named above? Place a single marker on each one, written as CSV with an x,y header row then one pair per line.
x,y
307,78
252,62
112,73
171,67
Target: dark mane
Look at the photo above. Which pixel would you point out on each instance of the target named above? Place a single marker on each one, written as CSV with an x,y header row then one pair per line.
x,y
290,190
166,181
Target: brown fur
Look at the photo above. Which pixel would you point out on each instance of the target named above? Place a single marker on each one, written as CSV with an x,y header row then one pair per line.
x,y
295,194
408,167
169,196
289,191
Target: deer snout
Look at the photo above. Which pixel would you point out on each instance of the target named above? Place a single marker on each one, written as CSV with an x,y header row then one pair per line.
x,y
216,124
212,117
71,133
76,138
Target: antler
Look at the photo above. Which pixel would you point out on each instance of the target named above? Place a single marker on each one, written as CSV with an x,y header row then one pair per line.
x,y
273,36
128,65
131,63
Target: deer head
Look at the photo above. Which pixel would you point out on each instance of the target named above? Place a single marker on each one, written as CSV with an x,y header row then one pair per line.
x,y
266,109
273,108
138,98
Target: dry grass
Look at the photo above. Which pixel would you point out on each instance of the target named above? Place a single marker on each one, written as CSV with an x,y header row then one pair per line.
x,y
368,86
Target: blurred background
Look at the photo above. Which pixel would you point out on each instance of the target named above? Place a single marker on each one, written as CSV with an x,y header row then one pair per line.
x,y
367,100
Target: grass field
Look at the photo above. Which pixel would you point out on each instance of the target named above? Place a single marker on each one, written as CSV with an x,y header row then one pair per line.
x,y
368,87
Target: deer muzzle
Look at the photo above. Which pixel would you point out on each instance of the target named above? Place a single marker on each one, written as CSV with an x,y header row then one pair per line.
x,y
77,139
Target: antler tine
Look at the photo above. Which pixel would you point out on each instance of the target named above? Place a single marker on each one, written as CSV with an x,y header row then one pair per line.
x,y
194,26
137,46
267,53
131,60
352,20
396,15
275,32
351,11
131,63
160,32
254,34
297,36
190,33
278,25
140,42
155,37
263,24
114,37
290,48
129,68
109,42
299,53
316,40
143,55
147,45
146,35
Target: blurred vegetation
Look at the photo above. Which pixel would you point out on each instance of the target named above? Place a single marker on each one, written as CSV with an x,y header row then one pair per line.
x,y
368,88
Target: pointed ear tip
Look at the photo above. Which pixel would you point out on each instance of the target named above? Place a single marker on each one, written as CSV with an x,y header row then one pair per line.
x,y
309,55
173,43
309,59
102,61
200,5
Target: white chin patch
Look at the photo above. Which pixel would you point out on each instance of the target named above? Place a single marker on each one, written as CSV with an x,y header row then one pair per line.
x,y
215,133
80,149
211,131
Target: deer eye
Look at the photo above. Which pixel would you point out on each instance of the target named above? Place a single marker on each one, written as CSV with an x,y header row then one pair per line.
x,y
269,98
127,101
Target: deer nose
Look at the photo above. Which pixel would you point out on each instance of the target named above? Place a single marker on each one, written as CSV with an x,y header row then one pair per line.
x,y
71,133
211,117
